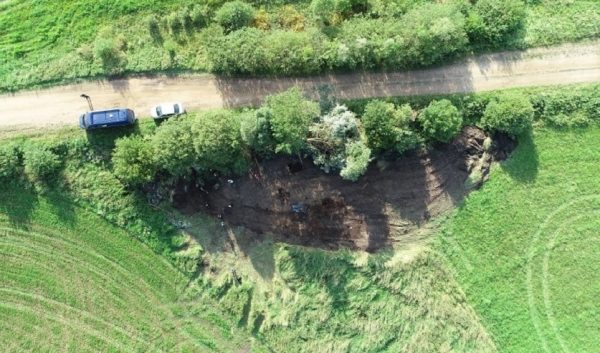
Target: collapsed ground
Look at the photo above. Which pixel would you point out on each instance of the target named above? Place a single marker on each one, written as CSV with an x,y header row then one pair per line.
x,y
300,204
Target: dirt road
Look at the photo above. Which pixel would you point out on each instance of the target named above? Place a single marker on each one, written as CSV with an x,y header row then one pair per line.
x,y
566,64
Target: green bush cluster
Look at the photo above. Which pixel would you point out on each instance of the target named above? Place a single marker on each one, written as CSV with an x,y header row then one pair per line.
x,y
493,21
204,143
134,160
41,163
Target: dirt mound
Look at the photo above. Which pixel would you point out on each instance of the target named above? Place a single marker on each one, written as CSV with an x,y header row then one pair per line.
x,y
298,203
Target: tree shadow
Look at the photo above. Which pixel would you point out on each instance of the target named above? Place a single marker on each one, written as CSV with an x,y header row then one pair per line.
x,y
523,164
102,141
18,204
251,91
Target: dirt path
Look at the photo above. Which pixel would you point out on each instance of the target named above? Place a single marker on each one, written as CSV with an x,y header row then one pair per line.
x,y
566,64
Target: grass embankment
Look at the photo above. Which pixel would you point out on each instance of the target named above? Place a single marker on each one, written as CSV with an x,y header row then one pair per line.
x,y
520,251
49,42
73,282
528,245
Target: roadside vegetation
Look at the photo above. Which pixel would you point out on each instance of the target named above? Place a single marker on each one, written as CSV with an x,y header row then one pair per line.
x,y
103,190
84,38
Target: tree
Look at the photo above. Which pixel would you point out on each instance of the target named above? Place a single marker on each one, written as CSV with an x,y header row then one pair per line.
x,y
388,128
440,121
217,142
496,19
134,161
511,114
255,129
291,118
234,15
330,136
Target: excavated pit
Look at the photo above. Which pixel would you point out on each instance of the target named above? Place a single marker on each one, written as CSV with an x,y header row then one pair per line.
x,y
298,203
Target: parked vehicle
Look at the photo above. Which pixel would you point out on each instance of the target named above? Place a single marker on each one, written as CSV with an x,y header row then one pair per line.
x,y
107,118
165,110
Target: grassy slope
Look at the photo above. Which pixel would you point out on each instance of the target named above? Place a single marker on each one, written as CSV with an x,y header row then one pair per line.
x,y
73,282
41,47
529,241
303,300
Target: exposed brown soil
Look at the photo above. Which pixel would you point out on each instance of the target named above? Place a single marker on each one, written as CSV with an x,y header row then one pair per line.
x,y
391,200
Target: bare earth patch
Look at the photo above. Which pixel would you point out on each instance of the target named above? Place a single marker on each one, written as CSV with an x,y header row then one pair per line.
x,y
300,204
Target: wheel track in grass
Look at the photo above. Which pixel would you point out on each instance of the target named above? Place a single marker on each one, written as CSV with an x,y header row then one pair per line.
x,y
61,105
26,240
541,309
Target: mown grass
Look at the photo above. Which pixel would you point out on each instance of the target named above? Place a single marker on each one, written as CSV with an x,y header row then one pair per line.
x,y
48,42
513,270
73,282
528,244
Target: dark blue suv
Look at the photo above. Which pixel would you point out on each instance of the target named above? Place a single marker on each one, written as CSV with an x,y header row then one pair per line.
x,y
106,118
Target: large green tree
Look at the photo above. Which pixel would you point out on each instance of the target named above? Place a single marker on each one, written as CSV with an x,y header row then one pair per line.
x,y
291,118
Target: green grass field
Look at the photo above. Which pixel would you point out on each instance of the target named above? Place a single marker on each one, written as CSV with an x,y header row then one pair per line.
x,y
87,265
72,282
45,42
529,243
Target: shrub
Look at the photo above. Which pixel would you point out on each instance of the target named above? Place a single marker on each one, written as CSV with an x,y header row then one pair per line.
x,y
255,129
289,17
234,15
440,121
109,49
261,20
494,20
217,142
511,114
332,11
388,128
134,160
9,162
357,160
40,163
291,118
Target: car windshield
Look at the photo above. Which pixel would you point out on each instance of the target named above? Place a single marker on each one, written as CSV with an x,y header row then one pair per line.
x,y
158,111
176,108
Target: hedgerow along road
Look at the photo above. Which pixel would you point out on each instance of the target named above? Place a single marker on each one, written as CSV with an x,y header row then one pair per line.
x,y
61,105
